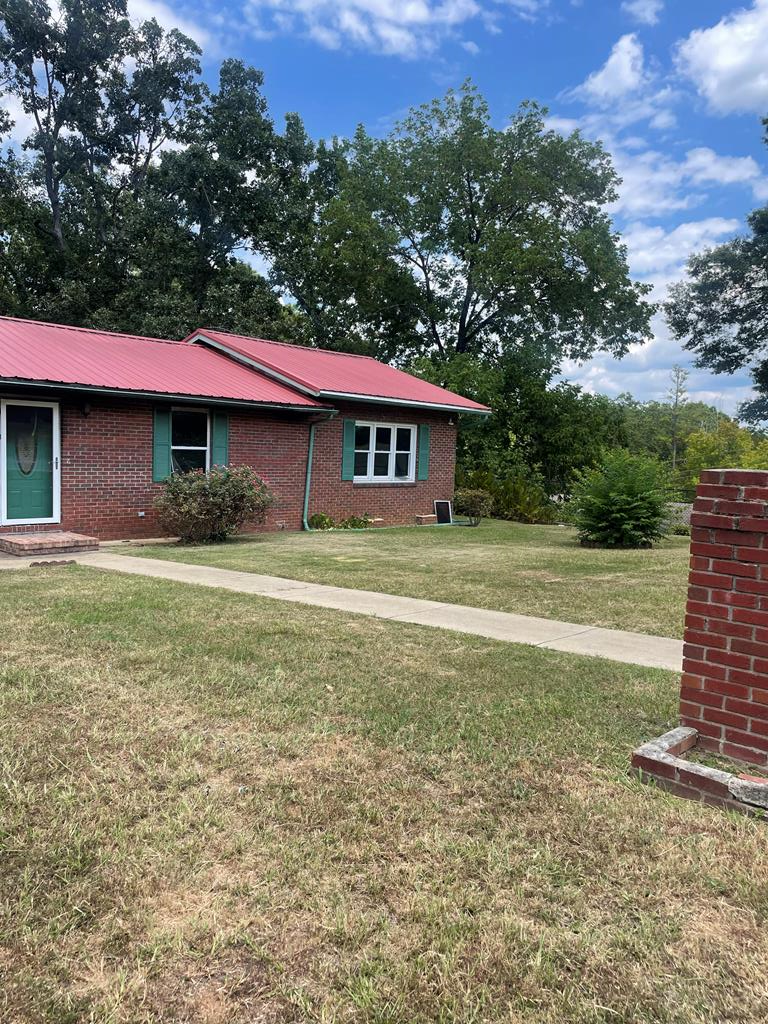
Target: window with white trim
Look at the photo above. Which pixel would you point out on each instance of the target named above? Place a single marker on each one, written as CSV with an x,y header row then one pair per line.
x,y
384,453
190,440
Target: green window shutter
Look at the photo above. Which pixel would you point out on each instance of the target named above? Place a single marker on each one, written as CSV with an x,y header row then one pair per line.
x,y
219,439
423,473
348,452
161,445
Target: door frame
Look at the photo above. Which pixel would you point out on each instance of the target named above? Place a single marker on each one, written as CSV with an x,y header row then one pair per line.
x,y
56,455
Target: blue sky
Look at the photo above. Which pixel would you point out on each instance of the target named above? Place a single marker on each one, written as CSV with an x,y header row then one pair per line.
x,y
675,88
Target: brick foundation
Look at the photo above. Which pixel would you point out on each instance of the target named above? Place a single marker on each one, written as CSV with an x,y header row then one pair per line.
x,y
106,467
663,762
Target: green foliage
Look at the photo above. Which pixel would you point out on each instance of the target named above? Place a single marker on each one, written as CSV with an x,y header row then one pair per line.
x,y
355,523
473,503
537,421
727,446
138,183
503,231
202,508
518,496
321,521
622,503
650,427
719,311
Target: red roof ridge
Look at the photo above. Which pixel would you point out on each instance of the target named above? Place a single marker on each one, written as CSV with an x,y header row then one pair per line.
x,y
287,344
88,330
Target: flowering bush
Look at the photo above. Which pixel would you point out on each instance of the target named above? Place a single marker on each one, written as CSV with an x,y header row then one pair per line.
x,y
202,508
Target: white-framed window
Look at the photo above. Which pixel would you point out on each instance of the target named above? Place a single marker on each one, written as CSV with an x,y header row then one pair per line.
x,y
385,453
190,440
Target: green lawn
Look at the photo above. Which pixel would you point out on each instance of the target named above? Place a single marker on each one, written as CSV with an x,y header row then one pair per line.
x,y
226,810
533,570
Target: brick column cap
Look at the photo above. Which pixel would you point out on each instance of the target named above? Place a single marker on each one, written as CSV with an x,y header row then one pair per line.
x,y
738,477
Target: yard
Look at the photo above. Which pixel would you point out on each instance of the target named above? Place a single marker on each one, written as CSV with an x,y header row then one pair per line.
x,y
532,570
217,808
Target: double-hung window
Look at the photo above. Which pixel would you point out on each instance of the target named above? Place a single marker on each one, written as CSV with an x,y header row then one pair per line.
x,y
384,453
190,440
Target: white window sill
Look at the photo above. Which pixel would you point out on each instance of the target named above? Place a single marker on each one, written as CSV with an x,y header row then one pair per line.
x,y
384,483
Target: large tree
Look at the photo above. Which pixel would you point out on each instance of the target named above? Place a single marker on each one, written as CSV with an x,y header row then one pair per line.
x,y
460,238
493,238
721,311
126,204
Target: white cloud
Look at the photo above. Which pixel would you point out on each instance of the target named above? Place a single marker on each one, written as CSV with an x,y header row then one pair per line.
x,y
653,250
645,371
622,74
23,123
704,166
645,11
655,183
405,28
471,47
727,63
168,18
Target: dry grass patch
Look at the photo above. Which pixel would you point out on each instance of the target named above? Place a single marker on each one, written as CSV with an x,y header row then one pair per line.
x,y
533,570
217,808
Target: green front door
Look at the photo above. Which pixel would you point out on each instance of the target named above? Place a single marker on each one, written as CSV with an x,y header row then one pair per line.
x,y
29,462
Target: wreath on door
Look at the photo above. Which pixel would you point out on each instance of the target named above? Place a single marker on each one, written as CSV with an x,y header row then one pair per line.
x,y
26,449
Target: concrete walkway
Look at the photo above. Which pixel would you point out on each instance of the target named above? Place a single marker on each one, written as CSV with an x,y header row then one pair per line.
x,y
618,645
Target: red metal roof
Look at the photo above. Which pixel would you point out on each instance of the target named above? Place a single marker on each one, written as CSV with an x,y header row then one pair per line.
x,y
56,354
321,372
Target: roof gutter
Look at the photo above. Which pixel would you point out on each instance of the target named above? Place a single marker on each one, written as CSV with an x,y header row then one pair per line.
x,y
308,478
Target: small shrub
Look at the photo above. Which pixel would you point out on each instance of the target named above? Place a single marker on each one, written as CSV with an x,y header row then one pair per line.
x,y
518,496
321,521
474,503
202,508
355,523
621,503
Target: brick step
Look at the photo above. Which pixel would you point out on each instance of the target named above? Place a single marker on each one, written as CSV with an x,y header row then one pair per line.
x,y
51,542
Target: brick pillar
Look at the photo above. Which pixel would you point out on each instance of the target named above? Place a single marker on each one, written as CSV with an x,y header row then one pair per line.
x,y
724,686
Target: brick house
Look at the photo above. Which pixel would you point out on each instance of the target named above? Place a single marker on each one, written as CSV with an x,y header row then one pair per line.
x,y
92,422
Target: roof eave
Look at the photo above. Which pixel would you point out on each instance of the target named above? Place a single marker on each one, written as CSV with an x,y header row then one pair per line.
x,y
410,403
291,382
244,403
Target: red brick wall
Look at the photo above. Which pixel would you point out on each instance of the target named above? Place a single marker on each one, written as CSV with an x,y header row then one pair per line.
x,y
395,503
106,468
724,687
